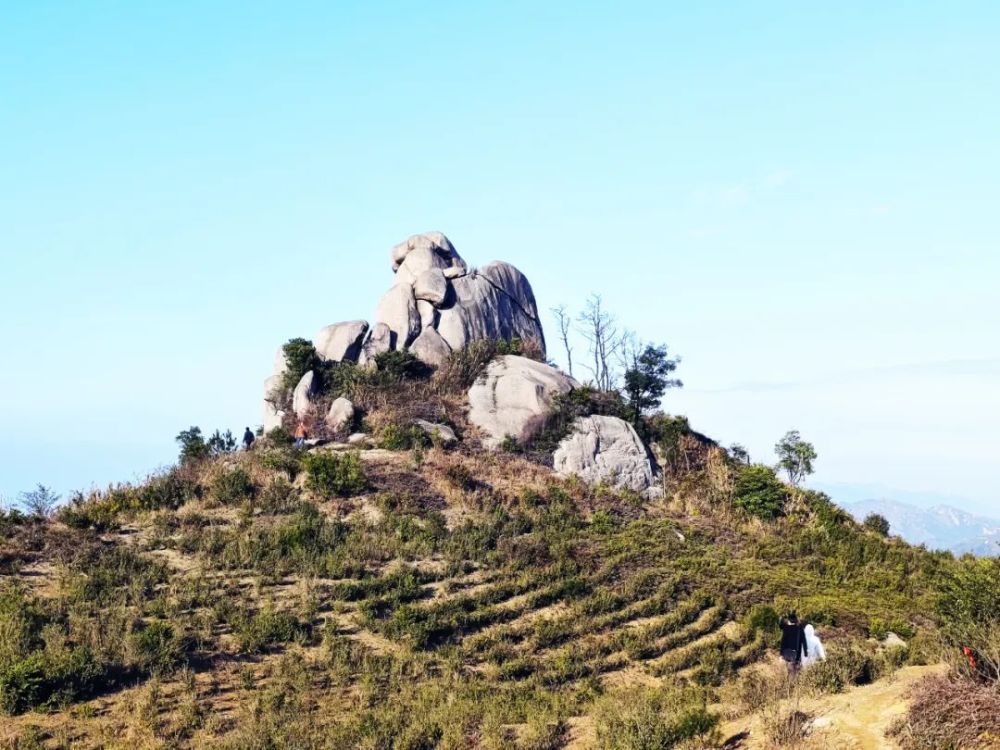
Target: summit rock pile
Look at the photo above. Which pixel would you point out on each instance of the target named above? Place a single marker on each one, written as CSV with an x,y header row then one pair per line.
x,y
438,305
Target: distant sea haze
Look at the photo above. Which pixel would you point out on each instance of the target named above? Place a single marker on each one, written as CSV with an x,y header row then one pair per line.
x,y
938,527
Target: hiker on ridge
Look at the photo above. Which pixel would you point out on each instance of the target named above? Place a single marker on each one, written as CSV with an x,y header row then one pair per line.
x,y
793,643
248,439
300,434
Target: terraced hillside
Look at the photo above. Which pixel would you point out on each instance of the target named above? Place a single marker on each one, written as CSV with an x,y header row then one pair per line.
x,y
423,597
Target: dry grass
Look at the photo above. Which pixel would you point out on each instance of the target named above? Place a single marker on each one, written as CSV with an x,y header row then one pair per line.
x,y
950,711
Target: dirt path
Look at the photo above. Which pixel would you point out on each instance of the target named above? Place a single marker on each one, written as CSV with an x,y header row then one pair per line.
x,y
854,720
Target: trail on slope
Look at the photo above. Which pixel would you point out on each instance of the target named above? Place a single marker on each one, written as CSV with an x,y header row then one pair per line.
x,y
856,719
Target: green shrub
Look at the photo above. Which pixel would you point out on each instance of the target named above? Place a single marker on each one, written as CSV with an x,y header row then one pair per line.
x,y
300,358
400,365
759,492
232,486
877,523
278,497
156,648
762,618
651,720
267,628
843,668
335,474
395,438
880,629
568,407
193,445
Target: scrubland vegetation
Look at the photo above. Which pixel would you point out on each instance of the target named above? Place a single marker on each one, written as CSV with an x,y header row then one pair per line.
x,y
411,597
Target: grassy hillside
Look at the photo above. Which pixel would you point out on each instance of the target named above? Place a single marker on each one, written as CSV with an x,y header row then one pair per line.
x,y
420,597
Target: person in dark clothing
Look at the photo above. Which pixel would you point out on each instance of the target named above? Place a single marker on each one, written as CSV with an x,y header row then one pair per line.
x,y
793,643
248,439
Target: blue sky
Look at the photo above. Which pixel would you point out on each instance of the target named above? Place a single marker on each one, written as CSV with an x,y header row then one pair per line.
x,y
801,200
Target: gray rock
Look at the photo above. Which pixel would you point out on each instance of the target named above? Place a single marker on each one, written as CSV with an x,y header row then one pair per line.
x,y
515,284
432,286
418,262
607,450
303,394
358,438
272,416
398,311
430,348
341,341
379,341
440,433
435,241
428,314
893,641
482,310
513,398
341,414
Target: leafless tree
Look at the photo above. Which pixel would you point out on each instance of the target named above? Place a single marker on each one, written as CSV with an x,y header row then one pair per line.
x,y
600,329
565,323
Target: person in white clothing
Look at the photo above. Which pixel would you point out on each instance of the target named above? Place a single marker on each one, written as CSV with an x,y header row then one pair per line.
x,y
815,651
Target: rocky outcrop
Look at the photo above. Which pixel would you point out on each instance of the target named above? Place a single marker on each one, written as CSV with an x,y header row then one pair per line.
x,y
607,450
340,415
341,341
303,394
436,306
514,396
462,306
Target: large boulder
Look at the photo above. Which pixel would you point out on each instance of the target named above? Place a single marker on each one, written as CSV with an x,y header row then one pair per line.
x,y
341,341
431,286
480,309
398,312
514,396
272,415
437,243
607,450
430,348
341,414
303,394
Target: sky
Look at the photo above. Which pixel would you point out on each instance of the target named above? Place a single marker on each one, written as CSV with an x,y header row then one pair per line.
x,y
800,199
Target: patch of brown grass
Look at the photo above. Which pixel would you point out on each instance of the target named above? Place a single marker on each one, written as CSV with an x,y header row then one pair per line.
x,y
950,711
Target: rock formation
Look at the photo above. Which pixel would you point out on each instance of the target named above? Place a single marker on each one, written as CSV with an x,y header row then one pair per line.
x,y
513,398
436,306
607,450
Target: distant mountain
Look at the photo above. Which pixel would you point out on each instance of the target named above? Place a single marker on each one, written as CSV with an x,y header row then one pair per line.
x,y
939,527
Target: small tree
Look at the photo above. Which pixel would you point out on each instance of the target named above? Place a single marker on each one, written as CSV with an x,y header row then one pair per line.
x,y
739,454
795,457
193,445
39,502
300,358
600,329
648,379
877,523
565,325
220,443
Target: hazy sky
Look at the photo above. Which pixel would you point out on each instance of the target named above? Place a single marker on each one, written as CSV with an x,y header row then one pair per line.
x,y
801,199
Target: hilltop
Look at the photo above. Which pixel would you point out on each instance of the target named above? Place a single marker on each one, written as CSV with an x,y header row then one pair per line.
x,y
475,552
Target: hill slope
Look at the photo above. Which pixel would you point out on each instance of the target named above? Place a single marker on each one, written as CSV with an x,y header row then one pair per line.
x,y
353,596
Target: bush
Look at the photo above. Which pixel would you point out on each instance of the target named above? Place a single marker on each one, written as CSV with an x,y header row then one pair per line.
x,y
568,407
233,486
651,720
762,618
392,437
193,445
267,628
843,668
300,358
877,523
759,492
156,648
335,474
400,365
880,629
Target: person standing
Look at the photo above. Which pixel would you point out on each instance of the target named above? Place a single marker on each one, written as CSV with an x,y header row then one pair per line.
x,y
300,434
793,643
248,439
